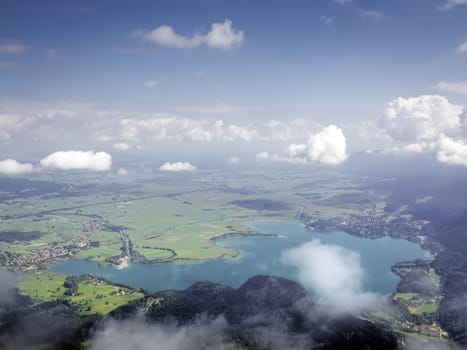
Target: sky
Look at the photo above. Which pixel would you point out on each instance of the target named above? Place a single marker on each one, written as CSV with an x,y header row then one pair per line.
x,y
297,82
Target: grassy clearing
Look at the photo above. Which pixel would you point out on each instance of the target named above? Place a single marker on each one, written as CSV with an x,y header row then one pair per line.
x,y
427,308
93,296
405,296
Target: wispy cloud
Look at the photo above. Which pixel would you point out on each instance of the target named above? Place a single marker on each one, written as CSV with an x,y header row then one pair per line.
x,y
53,54
151,84
221,36
327,20
12,48
343,2
372,15
449,4
462,47
459,87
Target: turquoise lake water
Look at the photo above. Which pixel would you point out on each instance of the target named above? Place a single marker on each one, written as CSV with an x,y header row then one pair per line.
x,y
259,255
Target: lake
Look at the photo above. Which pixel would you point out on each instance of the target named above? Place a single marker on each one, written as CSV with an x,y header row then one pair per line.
x,y
259,255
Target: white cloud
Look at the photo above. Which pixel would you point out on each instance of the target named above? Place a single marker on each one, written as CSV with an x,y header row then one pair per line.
x,y
150,84
77,160
234,160
295,150
122,146
452,152
13,167
12,48
343,2
122,171
462,47
333,272
172,128
262,156
140,334
329,146
459,87
371,15
421,118
294,129
177,166
221,36
449,4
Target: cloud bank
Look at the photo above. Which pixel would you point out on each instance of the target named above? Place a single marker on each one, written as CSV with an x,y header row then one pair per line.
x,y
334,273
13,167
421,118
139,334
177,166
77,160
221,36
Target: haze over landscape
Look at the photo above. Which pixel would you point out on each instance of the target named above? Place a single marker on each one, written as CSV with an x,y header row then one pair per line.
x,y
233,174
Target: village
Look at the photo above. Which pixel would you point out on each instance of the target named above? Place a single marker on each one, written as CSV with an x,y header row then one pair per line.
x,y
81,241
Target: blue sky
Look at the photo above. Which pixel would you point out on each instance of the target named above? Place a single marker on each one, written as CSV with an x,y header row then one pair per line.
x,y
325,61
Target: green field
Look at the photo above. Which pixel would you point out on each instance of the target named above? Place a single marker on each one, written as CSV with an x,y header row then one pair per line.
x,y
427,308
405,296
94,296
167,219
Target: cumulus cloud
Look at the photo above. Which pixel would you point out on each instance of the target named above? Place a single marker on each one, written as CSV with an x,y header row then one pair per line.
x,y
449,4
333,272
221,36
421,118
13,167
328,146
459,87
452,152
77,160
12,48
462,47
177,166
